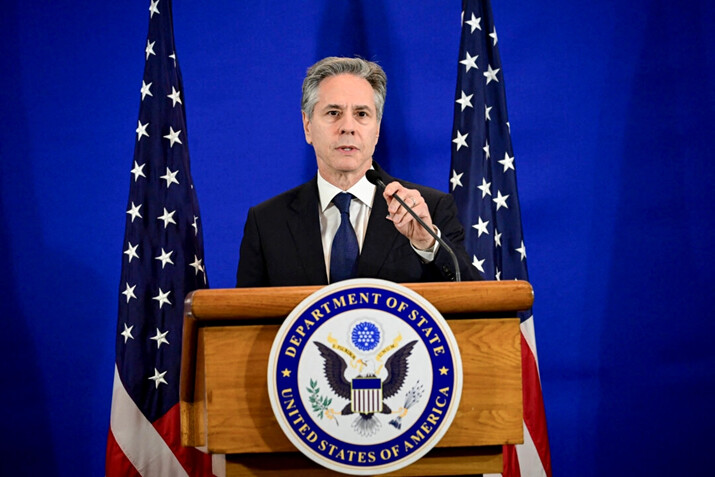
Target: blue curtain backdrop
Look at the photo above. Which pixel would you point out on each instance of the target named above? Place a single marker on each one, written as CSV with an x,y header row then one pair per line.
x,y
611,108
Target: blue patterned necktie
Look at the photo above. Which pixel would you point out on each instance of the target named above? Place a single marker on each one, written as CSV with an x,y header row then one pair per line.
x,y
344,251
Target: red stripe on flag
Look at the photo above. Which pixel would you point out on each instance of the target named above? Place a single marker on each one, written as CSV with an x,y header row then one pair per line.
x,y
534,418
195,462
117,463
534,414
511,462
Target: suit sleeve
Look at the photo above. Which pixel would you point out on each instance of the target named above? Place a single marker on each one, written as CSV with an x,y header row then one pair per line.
x,y
251,263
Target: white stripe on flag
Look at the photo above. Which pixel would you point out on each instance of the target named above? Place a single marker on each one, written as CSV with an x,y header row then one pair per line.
x,y
529,460
218,465
138,439
527,331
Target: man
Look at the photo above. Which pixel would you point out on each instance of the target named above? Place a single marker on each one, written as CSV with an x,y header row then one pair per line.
x,y
300,238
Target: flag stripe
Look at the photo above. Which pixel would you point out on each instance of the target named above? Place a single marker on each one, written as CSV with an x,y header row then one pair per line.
x,y
194,462
527,331
534,416
512,468
528,455
117,460
142,445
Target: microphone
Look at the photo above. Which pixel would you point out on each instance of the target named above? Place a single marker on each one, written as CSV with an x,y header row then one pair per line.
x,y
374,177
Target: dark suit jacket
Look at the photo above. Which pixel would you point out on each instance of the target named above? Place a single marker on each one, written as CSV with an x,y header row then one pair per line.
x,y
282,246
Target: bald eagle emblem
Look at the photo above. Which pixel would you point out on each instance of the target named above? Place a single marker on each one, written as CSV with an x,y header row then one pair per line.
x,y
366,392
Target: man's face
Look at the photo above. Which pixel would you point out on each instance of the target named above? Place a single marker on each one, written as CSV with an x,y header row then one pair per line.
x,y
344,127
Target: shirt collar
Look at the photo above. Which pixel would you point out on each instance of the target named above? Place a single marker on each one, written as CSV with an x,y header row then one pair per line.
x,y
363,190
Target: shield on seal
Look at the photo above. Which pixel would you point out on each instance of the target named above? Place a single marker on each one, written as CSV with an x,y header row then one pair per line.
x,y
366,395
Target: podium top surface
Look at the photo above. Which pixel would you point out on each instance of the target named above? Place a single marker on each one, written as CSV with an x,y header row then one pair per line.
x,y
278,302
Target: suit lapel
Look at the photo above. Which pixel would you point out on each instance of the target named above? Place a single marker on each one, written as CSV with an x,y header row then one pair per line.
x,y
304,226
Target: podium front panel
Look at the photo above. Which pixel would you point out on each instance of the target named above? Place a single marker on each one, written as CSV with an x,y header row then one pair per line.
x,y
239,418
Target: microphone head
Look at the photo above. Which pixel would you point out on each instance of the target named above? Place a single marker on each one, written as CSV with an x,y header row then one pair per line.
x,y
374,177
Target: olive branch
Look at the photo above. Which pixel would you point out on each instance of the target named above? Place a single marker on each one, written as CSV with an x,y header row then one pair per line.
x,y
320,404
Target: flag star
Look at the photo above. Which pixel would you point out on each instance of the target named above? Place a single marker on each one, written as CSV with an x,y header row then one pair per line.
x,y
195,225
508,162
131,251
173,57
129,292
486,150
485,188
160,338
465,101
522,251
470,62
170,177
475,23
145,90
481,227
149,48
173,136
134,211
508,126
486,112
153,8
138,171
494,36
500,200
460,140
497,238
198,267
497,276
141,130
127,333
162,298
478,264
491,74
168,218
456,179
176,98
158,378
164,258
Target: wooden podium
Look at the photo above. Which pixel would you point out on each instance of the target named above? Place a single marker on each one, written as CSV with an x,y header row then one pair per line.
x,y
225,409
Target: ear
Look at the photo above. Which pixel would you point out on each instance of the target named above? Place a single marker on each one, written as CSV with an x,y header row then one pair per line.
x,y
306,128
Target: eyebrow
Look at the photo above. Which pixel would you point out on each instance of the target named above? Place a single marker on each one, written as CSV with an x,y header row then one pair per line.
x,y
359,107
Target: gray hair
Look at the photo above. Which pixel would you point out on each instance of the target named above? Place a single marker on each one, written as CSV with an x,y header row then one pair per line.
x,y
333,66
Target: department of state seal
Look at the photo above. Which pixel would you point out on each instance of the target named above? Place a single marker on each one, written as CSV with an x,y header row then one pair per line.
x,y
364,376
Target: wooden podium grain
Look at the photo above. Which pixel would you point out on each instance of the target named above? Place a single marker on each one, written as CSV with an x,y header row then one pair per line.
x,y
225,408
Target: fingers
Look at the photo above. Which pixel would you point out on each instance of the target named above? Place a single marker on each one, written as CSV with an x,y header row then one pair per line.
x,y
403,220
412,197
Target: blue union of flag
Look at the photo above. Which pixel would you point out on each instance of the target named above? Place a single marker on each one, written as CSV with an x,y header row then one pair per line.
x,y
366,395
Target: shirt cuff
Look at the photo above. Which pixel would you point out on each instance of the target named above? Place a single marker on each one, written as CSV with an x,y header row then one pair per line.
x,y
428,255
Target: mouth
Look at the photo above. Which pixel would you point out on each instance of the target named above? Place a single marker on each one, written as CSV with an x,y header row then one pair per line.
x,y
347,148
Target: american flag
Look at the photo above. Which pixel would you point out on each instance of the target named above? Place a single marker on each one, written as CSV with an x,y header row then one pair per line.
x,y
483,183
162,261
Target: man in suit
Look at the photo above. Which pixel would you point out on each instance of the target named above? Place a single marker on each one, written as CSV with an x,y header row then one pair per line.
x,y
291,238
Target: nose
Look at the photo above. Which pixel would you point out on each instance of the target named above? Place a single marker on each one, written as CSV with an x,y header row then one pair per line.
x,y
347,125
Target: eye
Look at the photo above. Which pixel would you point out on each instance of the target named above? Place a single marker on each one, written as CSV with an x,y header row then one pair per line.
x,y
333,112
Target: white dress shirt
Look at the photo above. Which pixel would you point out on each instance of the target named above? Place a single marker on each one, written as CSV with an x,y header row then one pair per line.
x,y
360,207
